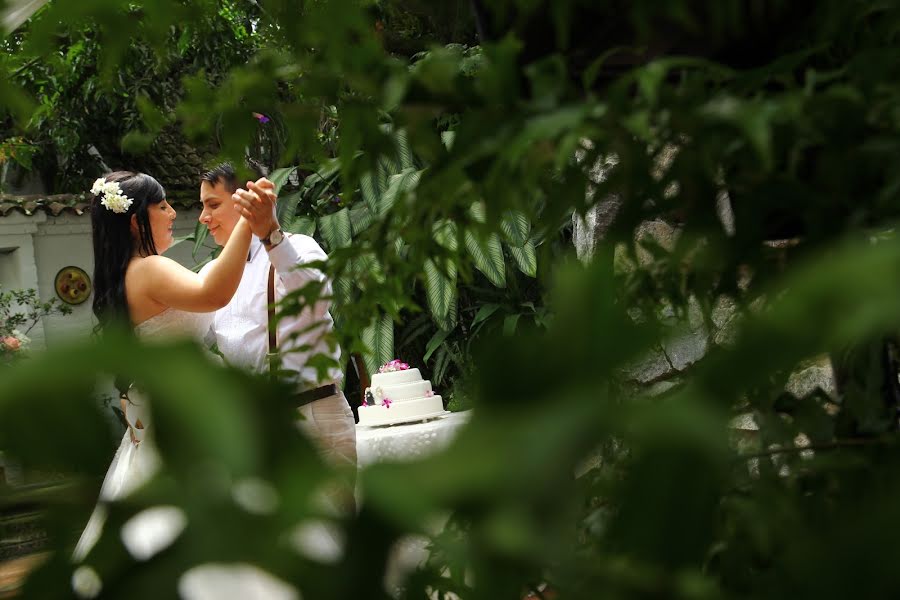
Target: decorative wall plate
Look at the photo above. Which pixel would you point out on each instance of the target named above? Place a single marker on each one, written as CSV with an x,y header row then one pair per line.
x,y
73,286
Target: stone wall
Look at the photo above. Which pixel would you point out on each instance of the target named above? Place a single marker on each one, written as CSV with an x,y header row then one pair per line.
x,y
687,335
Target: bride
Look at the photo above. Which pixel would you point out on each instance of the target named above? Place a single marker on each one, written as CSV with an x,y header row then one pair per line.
x,y
132,225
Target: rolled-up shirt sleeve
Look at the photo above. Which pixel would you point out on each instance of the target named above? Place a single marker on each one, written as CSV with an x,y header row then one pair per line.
x,y
290,258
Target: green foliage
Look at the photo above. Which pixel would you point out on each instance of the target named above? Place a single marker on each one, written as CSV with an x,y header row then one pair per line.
x,y
15,151
340,219
569,475
413,26
379,338
20,311
117,101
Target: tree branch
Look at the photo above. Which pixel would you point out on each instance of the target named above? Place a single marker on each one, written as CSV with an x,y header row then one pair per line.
x,y
847,443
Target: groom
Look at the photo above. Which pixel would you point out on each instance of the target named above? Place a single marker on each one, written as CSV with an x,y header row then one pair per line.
x,y
242,327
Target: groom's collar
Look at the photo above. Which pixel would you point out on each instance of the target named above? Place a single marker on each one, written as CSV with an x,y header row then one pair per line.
x,y
255,245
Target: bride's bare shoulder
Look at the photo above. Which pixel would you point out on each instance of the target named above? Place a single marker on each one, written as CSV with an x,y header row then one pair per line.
x,y
152,270
151,263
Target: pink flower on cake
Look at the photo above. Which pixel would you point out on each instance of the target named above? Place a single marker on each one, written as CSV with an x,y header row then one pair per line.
x,y
394,365
386,403
11,343
429,394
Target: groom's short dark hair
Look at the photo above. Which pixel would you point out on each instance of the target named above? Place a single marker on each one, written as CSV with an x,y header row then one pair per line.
x,y
222,173
225,173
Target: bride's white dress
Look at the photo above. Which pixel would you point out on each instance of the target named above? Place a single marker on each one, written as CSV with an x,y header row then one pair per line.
x,y
136,461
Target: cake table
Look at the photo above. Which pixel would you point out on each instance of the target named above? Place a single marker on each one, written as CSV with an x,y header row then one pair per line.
x,y
411,441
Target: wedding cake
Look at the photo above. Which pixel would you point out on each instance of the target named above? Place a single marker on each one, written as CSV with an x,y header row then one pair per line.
x,y
399,395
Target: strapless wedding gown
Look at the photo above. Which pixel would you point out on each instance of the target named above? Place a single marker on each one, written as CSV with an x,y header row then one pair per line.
x,y
136,461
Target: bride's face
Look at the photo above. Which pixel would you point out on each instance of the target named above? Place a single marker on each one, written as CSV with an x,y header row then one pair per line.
x,y
218,214
162,220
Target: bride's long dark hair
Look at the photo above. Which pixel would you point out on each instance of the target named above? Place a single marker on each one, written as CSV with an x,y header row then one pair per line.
x,y
114,245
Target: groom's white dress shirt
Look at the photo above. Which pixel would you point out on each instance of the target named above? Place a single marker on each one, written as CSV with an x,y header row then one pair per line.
x,y
241,327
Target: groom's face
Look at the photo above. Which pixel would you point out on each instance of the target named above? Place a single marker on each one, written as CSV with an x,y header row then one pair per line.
x,y
218,214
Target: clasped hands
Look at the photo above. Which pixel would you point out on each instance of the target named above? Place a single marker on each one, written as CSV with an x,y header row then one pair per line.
x,y
256,203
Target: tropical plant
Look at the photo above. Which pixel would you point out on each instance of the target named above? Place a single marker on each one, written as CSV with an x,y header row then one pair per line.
x,y
339,217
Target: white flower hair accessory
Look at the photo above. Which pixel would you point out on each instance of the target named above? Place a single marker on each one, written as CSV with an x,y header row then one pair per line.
x,y
113,198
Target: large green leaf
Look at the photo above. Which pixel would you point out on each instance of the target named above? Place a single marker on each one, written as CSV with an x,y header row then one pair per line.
x,y
228,437
184,238
449,321
343,287
280,176
403,151
372,188
442,361
484,313
399,184
286,209
447,139
478,212
526,258
487,256
510,322
301,224
434,343
515,227
328,170
444,232
387,167
336,229
201,232
379,340
547,125
360,218
324,175
440,287
214,254
319,186
753,118
366,266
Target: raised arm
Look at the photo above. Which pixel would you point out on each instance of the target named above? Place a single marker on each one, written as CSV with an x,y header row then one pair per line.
x,y
257,204
172,285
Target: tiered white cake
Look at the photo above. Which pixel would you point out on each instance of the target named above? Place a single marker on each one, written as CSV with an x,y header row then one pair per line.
x,y
399,395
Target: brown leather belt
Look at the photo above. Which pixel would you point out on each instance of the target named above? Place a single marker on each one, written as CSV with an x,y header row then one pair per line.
x,y
304,398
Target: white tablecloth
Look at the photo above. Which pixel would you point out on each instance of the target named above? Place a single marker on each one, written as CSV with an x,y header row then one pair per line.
x,y
399,443
407,442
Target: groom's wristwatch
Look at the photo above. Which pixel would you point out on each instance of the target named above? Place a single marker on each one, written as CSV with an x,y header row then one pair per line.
x,y
275,237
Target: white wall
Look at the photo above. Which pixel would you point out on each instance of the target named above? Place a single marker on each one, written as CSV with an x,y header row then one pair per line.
x,y
17,262
62,242
45,244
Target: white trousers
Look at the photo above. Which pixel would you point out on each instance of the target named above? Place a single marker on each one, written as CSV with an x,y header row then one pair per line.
x,y
329,423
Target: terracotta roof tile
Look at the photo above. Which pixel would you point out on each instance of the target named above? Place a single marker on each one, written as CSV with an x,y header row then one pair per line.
x,y
54,205
57,204
171,159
